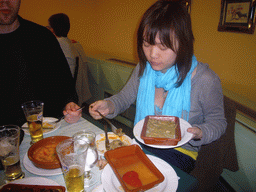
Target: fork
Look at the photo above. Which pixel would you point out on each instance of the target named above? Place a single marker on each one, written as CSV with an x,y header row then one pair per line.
x,y
57,121
106,138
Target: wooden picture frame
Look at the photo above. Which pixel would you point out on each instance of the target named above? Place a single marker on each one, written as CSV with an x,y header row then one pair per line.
x,y
237,16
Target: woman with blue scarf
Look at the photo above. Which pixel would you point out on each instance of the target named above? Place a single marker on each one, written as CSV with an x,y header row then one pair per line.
x,y
170,81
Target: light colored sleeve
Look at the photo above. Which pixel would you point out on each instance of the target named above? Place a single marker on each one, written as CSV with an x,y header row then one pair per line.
x,y
208,101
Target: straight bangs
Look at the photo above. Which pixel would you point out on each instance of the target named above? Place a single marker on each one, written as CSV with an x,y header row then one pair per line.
x,y
162,22
167,38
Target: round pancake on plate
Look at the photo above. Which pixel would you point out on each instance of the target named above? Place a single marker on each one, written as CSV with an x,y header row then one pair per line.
x,y
100,141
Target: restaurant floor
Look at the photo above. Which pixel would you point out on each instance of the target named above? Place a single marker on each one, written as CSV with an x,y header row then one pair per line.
x,y
221,186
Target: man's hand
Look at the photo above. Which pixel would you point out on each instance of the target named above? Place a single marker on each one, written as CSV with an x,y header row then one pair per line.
x,y
71,113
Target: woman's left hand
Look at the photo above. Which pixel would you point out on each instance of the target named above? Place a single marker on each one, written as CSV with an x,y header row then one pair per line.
x,y
197,133
71,113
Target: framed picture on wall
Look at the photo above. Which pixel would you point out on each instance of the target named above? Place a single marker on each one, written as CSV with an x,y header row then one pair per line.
x,y
237,16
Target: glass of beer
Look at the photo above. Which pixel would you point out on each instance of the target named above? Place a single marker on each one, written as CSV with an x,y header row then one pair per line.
x,y
9,153
33,111
72,157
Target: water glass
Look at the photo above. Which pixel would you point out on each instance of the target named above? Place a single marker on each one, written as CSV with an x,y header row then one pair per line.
x,y
83,137
9,153
72,162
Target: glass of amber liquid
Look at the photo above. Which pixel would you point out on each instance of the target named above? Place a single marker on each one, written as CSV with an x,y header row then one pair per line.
x,y
9,153
72,160
33,111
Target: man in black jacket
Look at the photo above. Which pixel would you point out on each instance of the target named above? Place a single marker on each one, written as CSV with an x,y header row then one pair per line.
x,y
32,67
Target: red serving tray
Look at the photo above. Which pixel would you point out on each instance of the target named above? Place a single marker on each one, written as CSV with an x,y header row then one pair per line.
x,y
161,141
23,187
129,158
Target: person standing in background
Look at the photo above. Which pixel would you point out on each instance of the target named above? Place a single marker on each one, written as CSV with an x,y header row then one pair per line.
x,y
59,25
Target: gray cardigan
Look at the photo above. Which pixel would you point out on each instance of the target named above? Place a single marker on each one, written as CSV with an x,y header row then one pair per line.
x,y
206,112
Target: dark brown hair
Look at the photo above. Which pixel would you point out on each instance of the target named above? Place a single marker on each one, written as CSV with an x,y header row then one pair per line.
x,y
60,24
172,21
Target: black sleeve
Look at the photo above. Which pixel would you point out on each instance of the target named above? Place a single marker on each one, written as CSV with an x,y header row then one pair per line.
x,y
56,86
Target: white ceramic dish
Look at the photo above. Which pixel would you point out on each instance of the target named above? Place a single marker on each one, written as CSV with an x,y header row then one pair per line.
x,y
46,131
185,136
38,171
35,181
99,188
100,141
170,183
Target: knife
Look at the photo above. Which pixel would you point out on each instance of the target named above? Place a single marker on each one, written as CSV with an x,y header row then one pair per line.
x,y
113,128
106,138
42,127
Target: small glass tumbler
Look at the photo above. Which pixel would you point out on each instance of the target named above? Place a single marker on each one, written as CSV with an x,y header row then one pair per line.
x,y
9,153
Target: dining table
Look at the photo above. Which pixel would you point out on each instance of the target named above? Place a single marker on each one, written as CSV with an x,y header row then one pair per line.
x,y
186,182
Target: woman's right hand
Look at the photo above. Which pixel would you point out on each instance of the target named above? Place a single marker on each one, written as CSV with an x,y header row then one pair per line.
x,y
103,106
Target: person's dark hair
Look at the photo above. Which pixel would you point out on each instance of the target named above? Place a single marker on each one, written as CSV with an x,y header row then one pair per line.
x,y
60,24
172,21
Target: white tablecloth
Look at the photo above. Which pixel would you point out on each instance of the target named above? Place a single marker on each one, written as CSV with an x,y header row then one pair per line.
x,y
65,130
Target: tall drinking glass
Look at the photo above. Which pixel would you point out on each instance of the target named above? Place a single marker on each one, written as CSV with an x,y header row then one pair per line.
x,y
72,160
33,111
9,152
83,137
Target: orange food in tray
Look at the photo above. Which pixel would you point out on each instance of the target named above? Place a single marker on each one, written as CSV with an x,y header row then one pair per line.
x,y
46,153
43,153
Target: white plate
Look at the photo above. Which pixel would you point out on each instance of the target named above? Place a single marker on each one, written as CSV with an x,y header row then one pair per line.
x,y
35,181
185,136
98,189
46,131
100,141
38,171
170,183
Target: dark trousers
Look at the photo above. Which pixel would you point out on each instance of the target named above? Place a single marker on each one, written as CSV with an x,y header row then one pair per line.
x,y
173,157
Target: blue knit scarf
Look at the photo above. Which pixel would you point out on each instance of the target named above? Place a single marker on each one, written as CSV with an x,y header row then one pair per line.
x,y
178,98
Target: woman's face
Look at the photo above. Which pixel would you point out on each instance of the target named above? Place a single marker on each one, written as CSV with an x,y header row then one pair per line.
x,y
159,56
